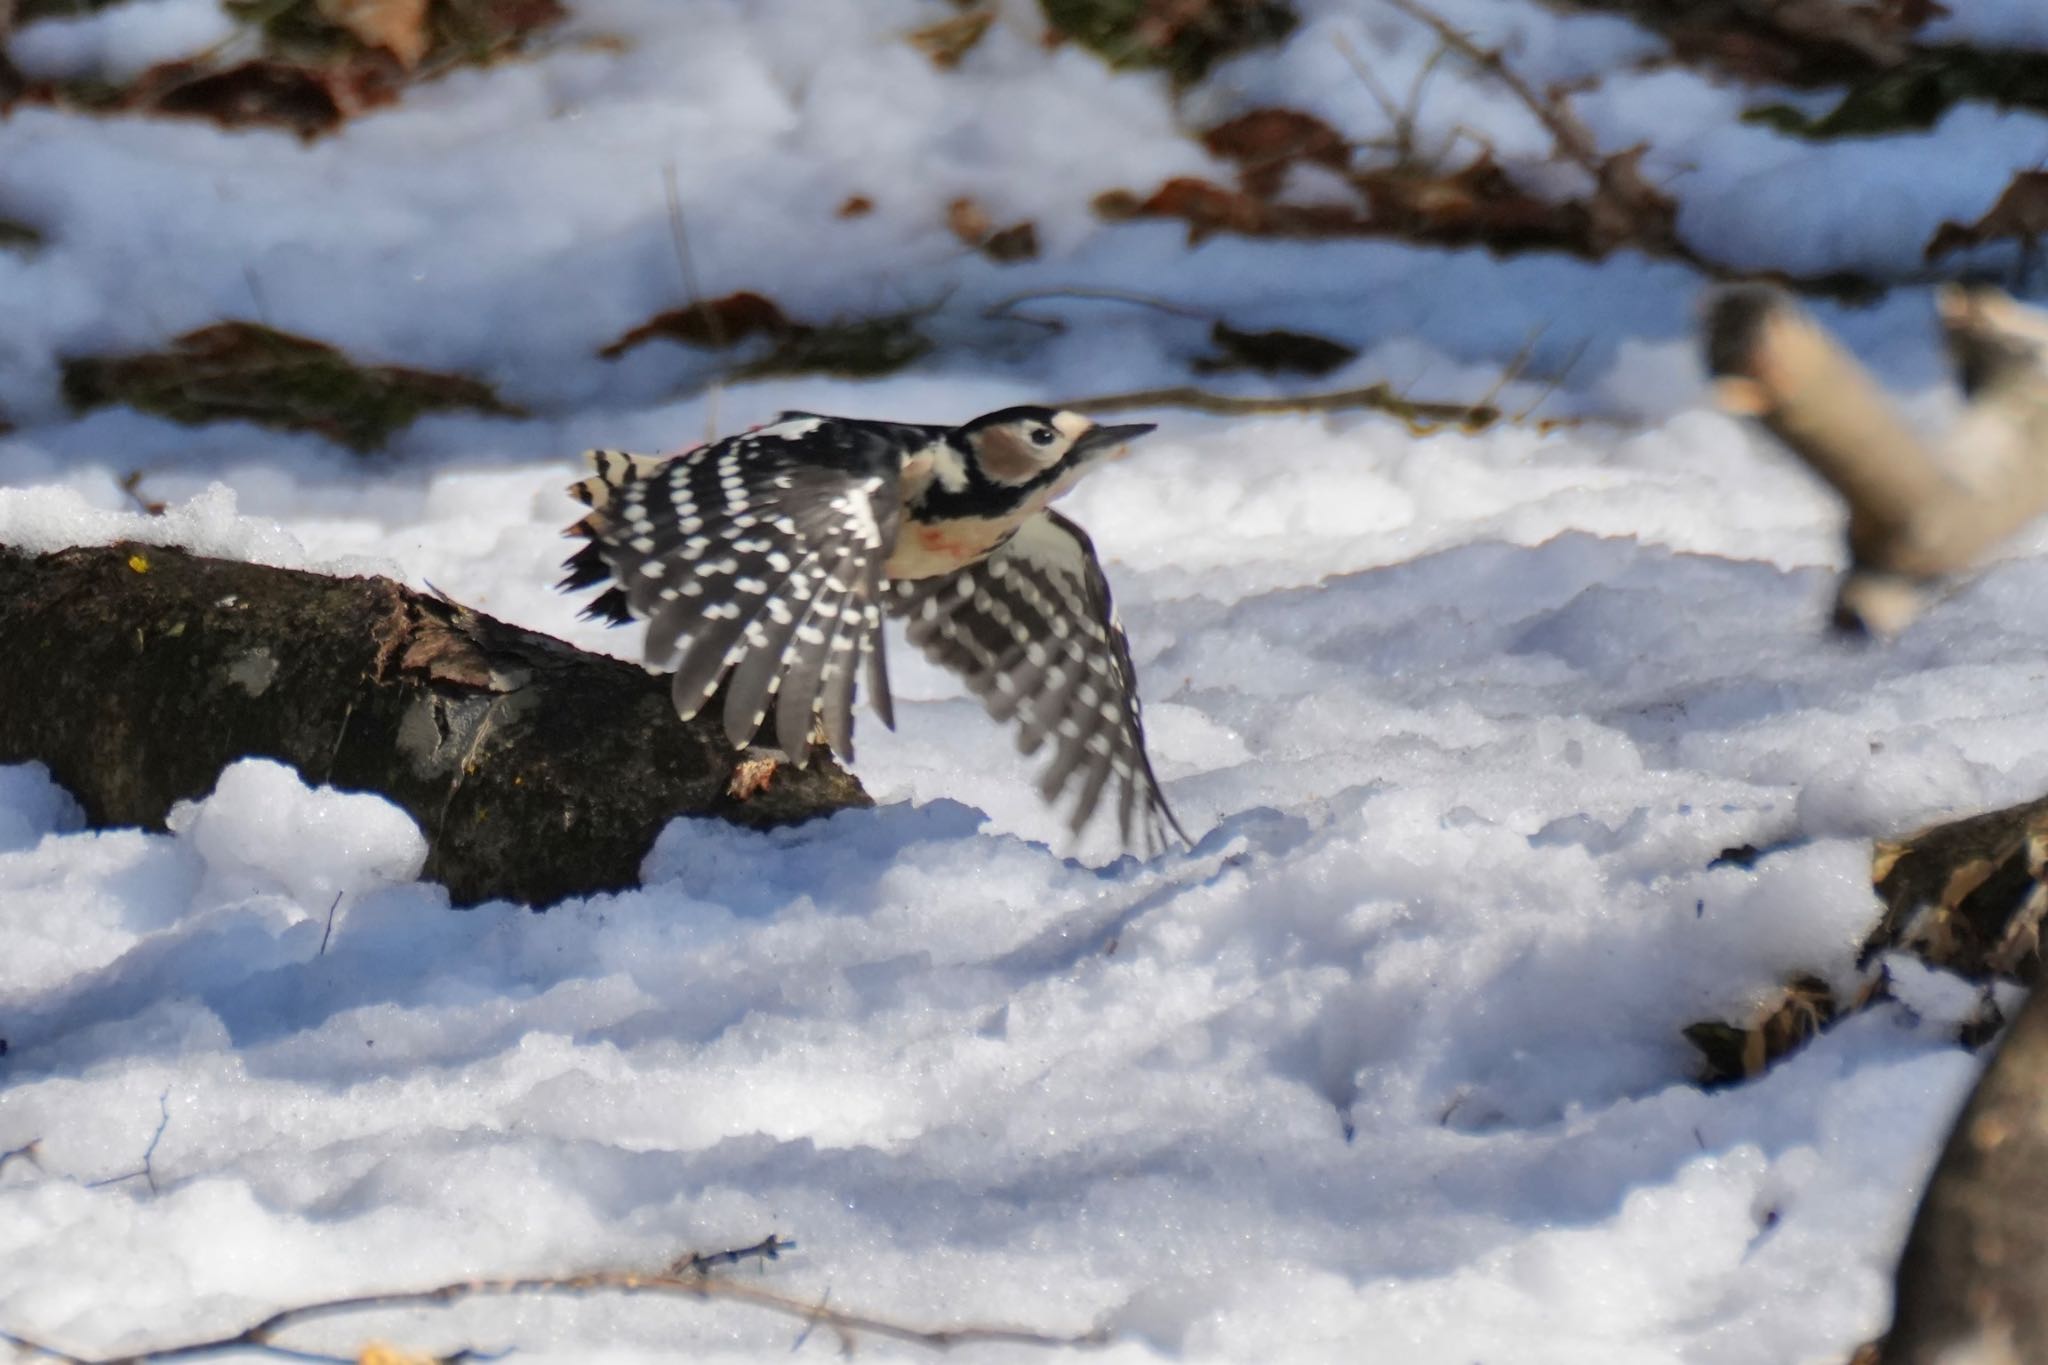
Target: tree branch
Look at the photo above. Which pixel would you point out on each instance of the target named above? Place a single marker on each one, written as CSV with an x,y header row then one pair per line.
x,y
687,1281
1914,516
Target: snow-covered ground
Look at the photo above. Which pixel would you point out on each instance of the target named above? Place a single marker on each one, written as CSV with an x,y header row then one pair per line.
x,y
1387,1068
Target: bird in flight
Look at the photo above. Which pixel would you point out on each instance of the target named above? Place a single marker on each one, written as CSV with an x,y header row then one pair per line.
x,y
765,562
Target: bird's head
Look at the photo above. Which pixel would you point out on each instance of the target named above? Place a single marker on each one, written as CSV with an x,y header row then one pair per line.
x,y
1030,447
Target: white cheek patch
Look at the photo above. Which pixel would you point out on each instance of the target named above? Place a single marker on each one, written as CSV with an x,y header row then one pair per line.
x,y
1007,458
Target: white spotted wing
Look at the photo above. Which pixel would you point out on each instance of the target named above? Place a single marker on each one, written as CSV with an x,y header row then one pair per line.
x,y
1032,631
757,564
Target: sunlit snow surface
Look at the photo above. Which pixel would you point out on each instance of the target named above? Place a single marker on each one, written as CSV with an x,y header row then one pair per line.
x,y
1387,1068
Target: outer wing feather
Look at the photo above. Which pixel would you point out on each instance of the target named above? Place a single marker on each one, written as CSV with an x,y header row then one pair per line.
x,y
738,553
1032,631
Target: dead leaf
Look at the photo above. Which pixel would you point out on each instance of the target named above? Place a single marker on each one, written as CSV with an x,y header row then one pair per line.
x,y
307,100
968,221
2021,213
855,348
856,206
241,371
1734,1052
949,40
1206,207
1274,352
1266,143
1183,37
972,225
1018,242
322,61
715,323
1969,896
397,26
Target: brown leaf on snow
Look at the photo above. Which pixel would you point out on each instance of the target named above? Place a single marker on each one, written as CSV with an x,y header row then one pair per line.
x,y
1017,242
1184,37
1274,352
949,40
856,206
716,323
2020,213
1205,206
856,347
1267,142
1732,1052
1970,896
308,100
322,61
240,371
970,222
397,26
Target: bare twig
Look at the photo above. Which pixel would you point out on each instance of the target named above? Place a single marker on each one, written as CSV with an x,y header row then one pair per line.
x,y
1510,372
1401,118
148,1169
1555,382
769,1248
28,1151
131,484
693,290
1572,137
1422,414
1913,518
1004,309
328,932
1647,217
689,1283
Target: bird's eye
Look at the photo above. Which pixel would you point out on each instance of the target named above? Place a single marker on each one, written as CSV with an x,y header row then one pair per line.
x,y
1043,436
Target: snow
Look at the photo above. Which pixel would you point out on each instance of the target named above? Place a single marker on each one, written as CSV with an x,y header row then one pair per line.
x,y
1390,1062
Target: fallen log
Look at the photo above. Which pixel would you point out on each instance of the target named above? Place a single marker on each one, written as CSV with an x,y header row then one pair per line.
x,y
535,770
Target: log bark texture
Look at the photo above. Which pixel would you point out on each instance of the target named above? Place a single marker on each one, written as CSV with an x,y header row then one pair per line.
x,y
1973,1280
535,770
1967,896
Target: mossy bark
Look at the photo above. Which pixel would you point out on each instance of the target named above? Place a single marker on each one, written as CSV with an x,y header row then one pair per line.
x,y
536,771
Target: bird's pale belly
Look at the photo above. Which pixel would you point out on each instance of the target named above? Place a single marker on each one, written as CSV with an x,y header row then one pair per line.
x,y
927,551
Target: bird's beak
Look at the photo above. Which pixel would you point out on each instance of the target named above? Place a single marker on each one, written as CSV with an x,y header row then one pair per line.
x,y
1099,441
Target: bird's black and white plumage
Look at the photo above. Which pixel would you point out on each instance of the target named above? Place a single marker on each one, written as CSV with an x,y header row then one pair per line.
x,y
765,563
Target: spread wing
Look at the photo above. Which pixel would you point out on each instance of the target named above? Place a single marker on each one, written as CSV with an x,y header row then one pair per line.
x,y
757,563
1032,630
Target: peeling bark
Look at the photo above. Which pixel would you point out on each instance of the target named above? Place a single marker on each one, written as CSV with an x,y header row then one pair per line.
x,y
536,771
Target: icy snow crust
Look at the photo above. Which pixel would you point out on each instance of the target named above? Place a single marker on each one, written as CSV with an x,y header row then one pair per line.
x,y
1387,1068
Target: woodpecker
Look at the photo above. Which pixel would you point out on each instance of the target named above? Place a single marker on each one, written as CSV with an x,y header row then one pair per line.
x,y
765,562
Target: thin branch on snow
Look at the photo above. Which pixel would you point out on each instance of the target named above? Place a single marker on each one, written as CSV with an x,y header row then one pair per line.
x,y
1004,310
687,1278
769,1248
328,932
1636,211
148,1168
1401,118
1420,414
28,1151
